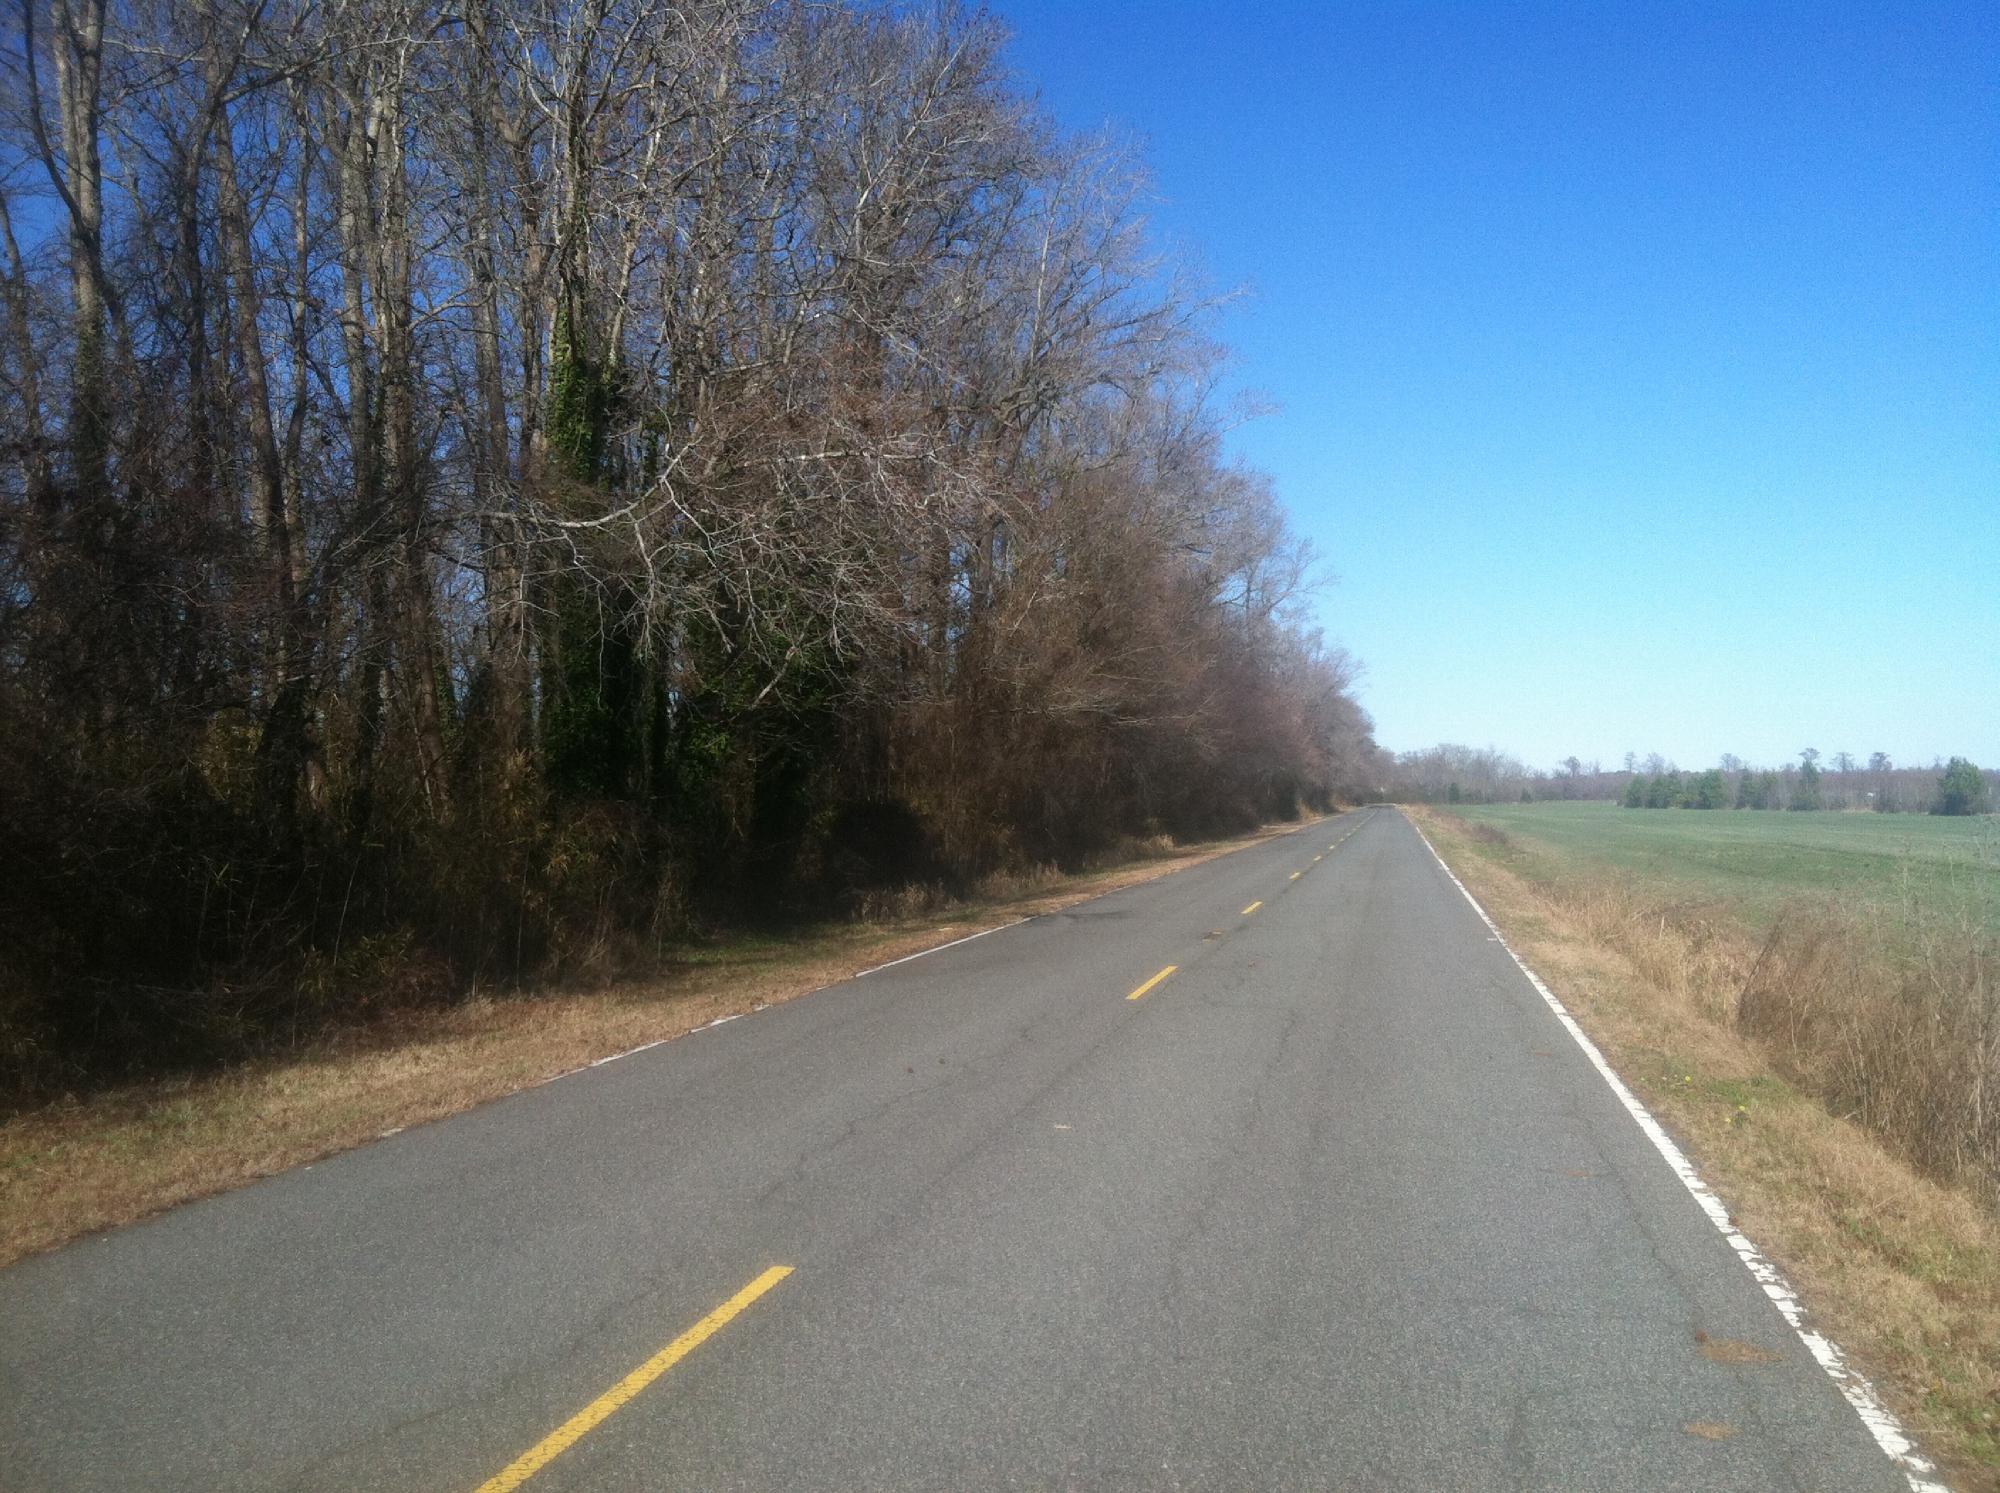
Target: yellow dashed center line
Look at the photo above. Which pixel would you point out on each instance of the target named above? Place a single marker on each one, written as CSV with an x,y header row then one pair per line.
x,y
1297,874
573,1430
1139,992
1251,908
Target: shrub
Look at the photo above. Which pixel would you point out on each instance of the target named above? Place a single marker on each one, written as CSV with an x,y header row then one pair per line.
x,y
1962,789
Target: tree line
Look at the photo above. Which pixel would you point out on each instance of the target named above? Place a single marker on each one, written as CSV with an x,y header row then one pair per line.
x,y
1458,774
1450,773
486,484
1957,787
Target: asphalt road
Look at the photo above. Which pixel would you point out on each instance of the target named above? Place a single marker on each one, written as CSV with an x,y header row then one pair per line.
x,y
1336,1204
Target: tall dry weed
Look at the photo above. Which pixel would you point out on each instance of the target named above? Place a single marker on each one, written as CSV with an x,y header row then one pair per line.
x,y
1889,1014
1899,1031
1689,951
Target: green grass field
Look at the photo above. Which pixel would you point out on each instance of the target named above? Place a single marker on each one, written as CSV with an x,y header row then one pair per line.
x,y
1758,862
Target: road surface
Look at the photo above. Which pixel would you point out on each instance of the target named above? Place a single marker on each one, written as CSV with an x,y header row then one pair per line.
x,y
1336,1203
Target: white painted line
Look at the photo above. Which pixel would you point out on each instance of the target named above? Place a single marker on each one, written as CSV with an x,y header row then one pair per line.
x,y
630,1052
642,1047
762,1006
1856,1390
937,949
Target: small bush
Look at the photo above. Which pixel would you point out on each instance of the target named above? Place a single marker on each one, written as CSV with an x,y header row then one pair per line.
x,y
1962,789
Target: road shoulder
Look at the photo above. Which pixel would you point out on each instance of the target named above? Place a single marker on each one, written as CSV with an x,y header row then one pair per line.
x,y
81,1165
1903,1272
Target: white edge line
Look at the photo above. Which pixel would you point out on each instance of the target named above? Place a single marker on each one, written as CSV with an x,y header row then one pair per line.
x,y
634,1051
936,949
1854,1388
1097,896
739,1015
642,1047
858,974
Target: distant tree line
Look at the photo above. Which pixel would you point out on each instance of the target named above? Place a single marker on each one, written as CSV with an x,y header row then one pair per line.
x,y
482,483
1457,774
1449,773
1954,787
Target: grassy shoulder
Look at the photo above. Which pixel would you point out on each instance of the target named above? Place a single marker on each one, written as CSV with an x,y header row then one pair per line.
x,y
80,1165
1902,1270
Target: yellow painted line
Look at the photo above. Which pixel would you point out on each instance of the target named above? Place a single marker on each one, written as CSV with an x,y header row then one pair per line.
x,y
1152,982
1317,859
1251,908
1297,874
573,1430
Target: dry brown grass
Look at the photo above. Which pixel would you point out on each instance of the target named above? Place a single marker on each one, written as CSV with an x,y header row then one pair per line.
x,y
1906,1040
1734,1350
75,1166
1901,1267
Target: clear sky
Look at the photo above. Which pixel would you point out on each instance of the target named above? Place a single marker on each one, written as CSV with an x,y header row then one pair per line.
x,y
1638,367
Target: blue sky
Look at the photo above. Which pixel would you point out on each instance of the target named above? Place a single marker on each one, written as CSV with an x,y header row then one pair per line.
x,y
1638,368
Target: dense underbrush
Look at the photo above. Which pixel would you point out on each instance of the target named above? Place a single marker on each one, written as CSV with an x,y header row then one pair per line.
x,y
164,931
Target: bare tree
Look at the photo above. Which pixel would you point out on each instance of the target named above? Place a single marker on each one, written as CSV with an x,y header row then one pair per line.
x,y
475,472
